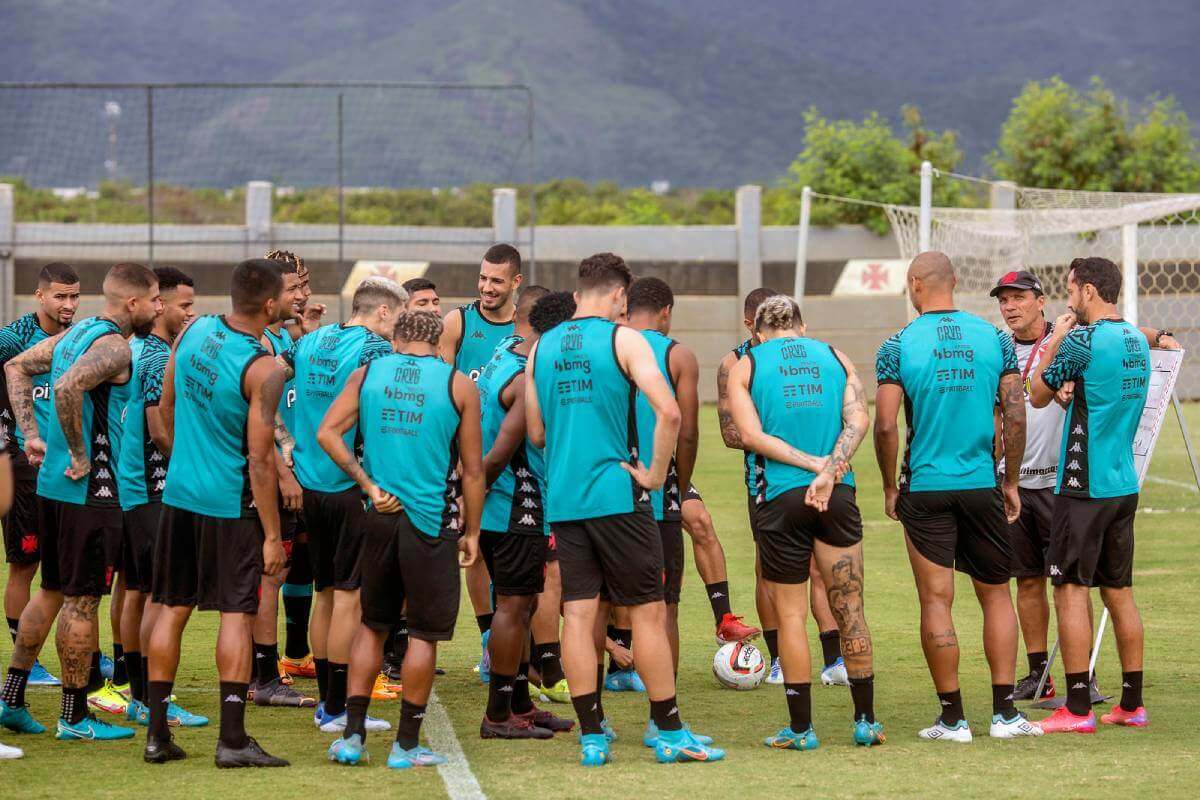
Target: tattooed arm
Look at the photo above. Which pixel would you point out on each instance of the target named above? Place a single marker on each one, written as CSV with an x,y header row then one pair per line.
x,y
746,418
108,358
19,371
855,421
341,417
264,385
729,431
1012,412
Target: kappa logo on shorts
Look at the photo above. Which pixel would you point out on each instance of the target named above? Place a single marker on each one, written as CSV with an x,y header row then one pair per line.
x,y
528,503
527,519
1077,448
1074,465
1074,484
103,475
1077,430
104,492
1055,571
522,473
101,439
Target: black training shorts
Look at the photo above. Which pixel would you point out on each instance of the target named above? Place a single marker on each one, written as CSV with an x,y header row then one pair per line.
x,y
1092,541
76,550
670,533
334,523
965,529
617,557
399,564
212,563
22,533
515,561
788,528
1030,534
137,549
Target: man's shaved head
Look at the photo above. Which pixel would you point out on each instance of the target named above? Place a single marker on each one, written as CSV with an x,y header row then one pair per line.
x,y
128,280
933,268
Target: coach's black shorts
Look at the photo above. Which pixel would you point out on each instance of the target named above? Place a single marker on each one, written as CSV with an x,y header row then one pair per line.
x,y
788,529
516,561
1092,541
212,563
76,551
400,563
618,557
137,549
1030,534
964,529
22,532
335,537
670,533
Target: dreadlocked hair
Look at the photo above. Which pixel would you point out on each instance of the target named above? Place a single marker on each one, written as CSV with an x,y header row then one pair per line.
x,y
418,326
289,257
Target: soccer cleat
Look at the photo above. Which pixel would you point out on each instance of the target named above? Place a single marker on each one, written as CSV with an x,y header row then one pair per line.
x,y
299,667
835,674
125,690
1063,721
868,734
137,712
7,752
650,735
386,681
1026,688
606,730
681,746
179,717
593,750
558,693
1129,719
19,720
732,629
160,752
380,690
419,756
775,676
514,727
941,732
484,667
337,724
1012,727
544,719
91,729
40,676
318,713
276,693
252,755
107,698
788,739
624,680
107,667
394,672
349,751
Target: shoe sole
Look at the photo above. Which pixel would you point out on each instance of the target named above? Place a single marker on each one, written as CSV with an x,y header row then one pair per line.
x,y
163,759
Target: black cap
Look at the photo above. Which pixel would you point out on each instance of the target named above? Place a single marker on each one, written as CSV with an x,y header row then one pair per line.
x,y
1021,279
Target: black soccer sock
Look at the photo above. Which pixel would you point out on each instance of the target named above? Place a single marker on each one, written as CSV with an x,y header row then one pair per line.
x,y
952,710
120,668
233,714
133,663
831,647
600,691
587,710
1131,690
322,666
623,637
718,598
521,702
13,693
356,716
548,658
771,637
400,645
862,691
665,714
74,705
1079,694
1037,663
484,621
95,678
146,678
158,697
408,732
266,663
297,606
799,703
335,699
13,624
1002,700
500,694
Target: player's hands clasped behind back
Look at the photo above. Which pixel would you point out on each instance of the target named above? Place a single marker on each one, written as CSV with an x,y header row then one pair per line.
x,y
35,451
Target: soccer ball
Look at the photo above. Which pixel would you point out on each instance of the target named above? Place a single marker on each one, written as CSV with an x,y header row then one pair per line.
x,y
739,665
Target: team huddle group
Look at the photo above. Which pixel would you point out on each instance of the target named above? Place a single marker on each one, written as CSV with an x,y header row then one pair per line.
x,y
545,442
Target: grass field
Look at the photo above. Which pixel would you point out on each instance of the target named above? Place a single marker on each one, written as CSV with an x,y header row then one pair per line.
x,y
1162,760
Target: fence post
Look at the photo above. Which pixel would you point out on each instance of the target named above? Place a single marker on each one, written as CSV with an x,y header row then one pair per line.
x,y
8,246
1129,273
259,197
1003,195
925,215
504,216
748,220
802,245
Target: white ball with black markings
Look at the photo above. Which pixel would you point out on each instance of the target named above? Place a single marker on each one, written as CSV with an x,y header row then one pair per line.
x,y
739,665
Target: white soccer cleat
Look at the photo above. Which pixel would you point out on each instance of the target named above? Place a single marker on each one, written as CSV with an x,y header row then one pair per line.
x,y
775,676
1013,727
11,752
835,674
941,732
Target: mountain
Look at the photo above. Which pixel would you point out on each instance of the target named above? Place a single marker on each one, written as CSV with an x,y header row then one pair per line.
x,y
697,92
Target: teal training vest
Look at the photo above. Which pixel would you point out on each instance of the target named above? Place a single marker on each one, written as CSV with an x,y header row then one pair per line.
x,y
15,338
141,468
664,501
480,337
753,464
281,343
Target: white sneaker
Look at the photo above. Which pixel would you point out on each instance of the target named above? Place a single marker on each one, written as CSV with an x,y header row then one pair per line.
x,y
835,674
775,676
941,732
1011,728
338,724
11,752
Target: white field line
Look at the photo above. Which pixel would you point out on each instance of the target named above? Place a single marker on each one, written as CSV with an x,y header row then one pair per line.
x,y
1171,482
461,783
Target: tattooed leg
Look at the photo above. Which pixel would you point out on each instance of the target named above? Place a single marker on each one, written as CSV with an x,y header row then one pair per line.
x,y
34,627
999,631
842,570
935,590
76,639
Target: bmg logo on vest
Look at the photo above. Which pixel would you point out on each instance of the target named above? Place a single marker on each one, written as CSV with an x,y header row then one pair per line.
x,y
791,371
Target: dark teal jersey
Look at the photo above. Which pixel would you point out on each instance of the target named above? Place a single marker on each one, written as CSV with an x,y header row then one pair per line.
x,y
479,339
409,426
1109,361
589,406
753,465
15,338
949,364
664,502
281,343
515,502
323,361
797,386
101,426
209,473
141,467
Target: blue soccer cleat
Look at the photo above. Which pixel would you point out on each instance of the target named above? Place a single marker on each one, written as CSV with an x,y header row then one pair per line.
x,y
349,751
138,713
650,735
40,676
107,667
868,734
178,716
624,680
681,746
484,667
788,739
419,756
19,720
318,713
92,730
593,750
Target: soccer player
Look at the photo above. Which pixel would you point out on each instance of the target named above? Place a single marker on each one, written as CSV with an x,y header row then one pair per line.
x,y
306,317
418,418
57,295
6,499
141,475
799,404
422,296
219,531
321,362
469,338
89,366
580,403
948,367
1091,544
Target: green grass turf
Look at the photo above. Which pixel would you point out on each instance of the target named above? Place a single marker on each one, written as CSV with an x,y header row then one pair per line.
x,y
1116,762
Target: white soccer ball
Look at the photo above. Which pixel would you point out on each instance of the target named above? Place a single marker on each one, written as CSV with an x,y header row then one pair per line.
x,y
739,665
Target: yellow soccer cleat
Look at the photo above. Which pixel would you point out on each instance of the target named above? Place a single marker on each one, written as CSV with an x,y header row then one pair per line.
x,y
107,698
